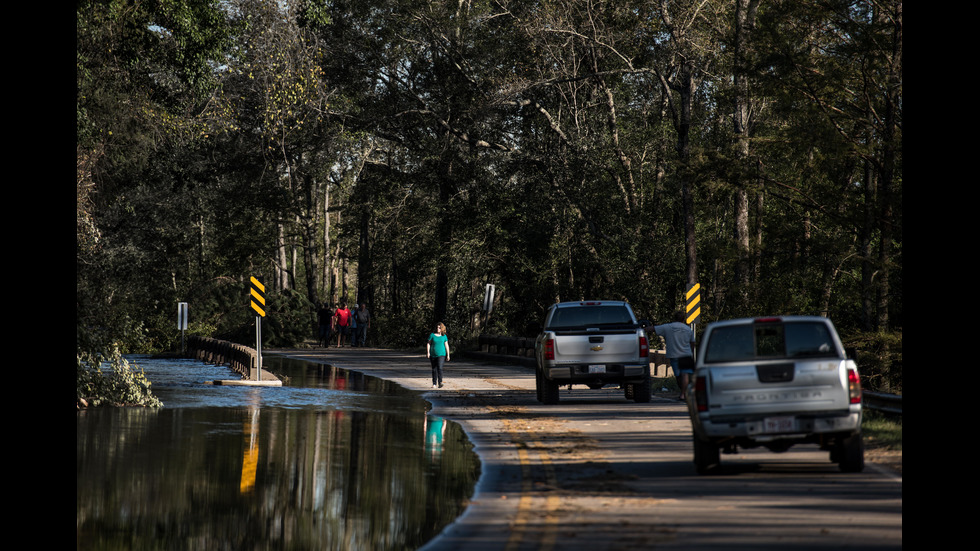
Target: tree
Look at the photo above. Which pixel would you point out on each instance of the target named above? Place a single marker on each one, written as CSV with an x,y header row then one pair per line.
x,y
143,72
410,153
837,67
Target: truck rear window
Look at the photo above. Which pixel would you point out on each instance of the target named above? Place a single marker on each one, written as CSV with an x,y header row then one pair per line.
x,y
770,341
589,316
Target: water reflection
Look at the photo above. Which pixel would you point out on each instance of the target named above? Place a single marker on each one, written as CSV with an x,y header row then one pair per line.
x,y
435,431
332,460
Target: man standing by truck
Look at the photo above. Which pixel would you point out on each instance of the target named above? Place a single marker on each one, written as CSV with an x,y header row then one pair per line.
x,y
679,341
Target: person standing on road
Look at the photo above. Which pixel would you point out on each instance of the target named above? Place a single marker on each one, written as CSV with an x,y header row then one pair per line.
x,y
352,329
342,322
679,341
437,350
325,320
363,319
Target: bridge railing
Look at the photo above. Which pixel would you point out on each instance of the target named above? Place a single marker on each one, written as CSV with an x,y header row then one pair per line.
x,y
240,358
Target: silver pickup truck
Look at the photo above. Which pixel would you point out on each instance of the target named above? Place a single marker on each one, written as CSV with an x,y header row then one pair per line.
x,y
593,343
775,382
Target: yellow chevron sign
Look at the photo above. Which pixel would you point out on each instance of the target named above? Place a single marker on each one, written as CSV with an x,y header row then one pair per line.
x,y
693,296
257,297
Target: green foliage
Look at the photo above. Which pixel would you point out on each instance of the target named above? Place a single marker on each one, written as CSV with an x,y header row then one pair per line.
x,y
107,379
407,154
879,359
288,321
882,431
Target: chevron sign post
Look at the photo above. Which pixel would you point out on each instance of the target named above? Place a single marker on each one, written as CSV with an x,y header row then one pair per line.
x,y
258,297
693,308
258,304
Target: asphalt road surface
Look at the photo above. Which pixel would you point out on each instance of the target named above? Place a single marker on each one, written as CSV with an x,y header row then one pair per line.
x,y
598,472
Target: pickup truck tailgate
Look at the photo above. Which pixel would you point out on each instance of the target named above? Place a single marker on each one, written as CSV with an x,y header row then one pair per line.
x,y
609,347
771,387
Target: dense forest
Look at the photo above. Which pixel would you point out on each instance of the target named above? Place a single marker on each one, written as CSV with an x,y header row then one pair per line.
x,y
407,153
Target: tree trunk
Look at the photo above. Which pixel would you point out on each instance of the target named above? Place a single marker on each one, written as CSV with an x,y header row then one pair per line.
x,y
327,264
365,291
745,11
886,218
866,249
282,272
686,89
441,298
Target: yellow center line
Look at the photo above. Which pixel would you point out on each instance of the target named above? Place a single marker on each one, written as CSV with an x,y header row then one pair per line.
x,y
549,535
523,505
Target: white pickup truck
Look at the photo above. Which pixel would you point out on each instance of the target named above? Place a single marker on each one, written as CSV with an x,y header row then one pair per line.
x,y
594,343
775,382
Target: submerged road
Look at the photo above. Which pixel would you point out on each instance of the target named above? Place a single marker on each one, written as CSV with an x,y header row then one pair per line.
x,y
598,472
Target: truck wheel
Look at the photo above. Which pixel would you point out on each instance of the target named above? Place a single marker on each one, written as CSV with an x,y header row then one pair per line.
x,y
707,456
628,390
549,391
850,453
538,385
642,391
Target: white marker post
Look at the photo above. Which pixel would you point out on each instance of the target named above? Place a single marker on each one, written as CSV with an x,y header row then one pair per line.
x,y
182,322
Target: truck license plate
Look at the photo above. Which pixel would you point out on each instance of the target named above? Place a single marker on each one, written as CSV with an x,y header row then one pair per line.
x,y
597,368
779,424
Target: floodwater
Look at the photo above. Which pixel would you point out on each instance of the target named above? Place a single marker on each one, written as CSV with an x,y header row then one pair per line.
x,y
332,460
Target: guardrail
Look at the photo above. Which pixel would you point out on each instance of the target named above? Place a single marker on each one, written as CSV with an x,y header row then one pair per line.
x,y
239,357
889,403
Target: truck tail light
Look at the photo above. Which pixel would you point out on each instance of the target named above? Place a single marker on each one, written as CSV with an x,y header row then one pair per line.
x,y
644,347
549,349
701,393
854,386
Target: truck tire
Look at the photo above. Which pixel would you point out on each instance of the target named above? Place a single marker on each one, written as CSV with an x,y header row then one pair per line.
x,y
549,391
643,391
537,385
850,453
707,456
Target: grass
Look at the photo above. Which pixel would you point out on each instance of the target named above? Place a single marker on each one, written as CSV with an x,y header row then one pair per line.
x,y
882,431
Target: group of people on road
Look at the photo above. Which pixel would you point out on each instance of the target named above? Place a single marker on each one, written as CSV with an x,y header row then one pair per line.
x,y
678,340
349,326
352,327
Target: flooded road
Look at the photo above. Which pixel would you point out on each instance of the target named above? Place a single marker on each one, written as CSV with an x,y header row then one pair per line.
x,y
331,460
